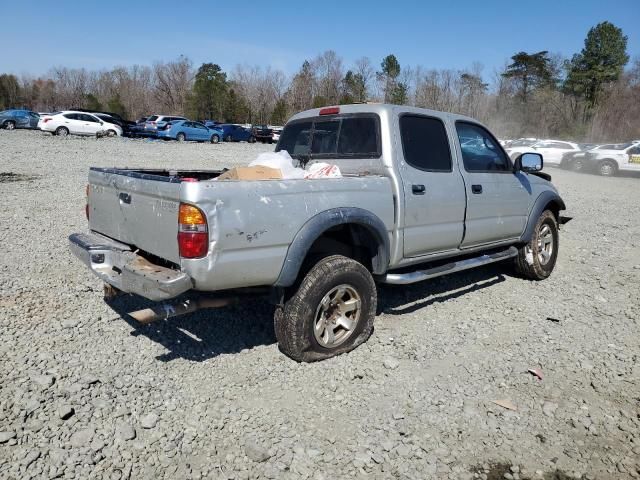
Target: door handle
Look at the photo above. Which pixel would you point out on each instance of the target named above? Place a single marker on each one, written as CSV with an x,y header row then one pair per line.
x,y
476,188
418,189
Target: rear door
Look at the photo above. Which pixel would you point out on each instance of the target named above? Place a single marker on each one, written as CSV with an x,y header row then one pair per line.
x,y
433,187
497,198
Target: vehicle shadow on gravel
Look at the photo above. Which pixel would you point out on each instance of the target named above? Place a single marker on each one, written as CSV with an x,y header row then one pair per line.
x,y
205,334
403,299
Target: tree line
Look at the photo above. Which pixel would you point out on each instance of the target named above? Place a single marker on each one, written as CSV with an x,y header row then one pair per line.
x,y
592,96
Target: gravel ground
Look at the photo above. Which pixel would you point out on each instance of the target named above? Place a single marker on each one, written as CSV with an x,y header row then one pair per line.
x,y
87,393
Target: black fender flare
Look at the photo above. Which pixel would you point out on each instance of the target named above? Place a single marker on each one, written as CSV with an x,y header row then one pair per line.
x,y
319,224
540,205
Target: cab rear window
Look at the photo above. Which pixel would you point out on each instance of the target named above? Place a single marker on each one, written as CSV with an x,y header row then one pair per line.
x,y
342,136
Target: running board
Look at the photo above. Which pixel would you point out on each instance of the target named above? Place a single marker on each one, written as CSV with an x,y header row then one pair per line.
x,y
420,275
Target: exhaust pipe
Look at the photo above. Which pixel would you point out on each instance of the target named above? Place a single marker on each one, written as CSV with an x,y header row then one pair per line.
x,y
168,310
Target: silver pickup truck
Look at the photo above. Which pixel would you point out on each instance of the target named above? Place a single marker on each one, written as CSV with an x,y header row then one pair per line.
x,y
422,194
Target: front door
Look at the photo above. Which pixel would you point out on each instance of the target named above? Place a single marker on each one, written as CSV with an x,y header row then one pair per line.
x,y
497,198
433,187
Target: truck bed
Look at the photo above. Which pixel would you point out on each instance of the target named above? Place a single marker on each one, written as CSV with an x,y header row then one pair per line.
x,y
250,222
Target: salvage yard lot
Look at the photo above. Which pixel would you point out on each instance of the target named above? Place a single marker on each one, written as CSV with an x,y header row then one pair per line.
x,y
85,392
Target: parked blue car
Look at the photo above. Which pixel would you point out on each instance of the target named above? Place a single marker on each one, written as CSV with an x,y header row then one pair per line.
x,y
182,130
236,133
10,119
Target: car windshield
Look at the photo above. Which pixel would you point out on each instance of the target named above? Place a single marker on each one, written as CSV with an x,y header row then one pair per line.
x,y
152,118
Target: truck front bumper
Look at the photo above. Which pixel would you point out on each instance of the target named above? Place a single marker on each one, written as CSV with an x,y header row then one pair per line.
x,y
117,265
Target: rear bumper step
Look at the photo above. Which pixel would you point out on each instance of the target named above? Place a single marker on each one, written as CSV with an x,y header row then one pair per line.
x,y
117,265
420,275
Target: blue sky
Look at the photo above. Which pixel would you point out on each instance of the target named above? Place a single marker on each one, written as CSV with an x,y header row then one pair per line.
x,y
441,34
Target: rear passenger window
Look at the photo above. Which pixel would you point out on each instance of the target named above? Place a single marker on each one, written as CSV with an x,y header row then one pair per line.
x,y
424,143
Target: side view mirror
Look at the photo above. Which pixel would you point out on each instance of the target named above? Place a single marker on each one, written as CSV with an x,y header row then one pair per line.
x,y
101,123
529,162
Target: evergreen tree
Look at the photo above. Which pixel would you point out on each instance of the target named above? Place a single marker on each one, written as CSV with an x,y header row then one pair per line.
x,y
210,90
601,61
115,105
389,77
92,102
530,71
279,115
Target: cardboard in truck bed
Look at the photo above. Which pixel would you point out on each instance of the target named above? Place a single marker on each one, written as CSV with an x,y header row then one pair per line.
x,y
252,173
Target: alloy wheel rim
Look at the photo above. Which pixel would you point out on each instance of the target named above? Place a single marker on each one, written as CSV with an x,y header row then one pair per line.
x,y
545,244
606,169
10,126
337,316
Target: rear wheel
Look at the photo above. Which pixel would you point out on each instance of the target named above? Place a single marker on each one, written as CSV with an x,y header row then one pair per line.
x,y
536,259
252,139
62,131
331,312
10,125
181,137
607,168
228,138
215,138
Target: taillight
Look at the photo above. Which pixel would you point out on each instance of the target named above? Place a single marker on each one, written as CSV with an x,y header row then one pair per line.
x,y
193,235
47,119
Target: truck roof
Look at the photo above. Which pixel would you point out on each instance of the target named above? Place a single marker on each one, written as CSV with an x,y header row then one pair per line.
x,y
381,109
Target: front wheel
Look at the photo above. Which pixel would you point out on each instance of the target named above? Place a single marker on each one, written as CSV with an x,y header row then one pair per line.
x,y
607,168
181,137
10,125
330,313
215,138
111,133
536,259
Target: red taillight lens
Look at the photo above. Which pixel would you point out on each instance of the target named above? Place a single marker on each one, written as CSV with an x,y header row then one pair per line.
x,y
193,234
330,111
46,120
193,245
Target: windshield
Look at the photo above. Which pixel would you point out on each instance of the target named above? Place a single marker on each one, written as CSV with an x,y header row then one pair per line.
x,y
152,118
617,146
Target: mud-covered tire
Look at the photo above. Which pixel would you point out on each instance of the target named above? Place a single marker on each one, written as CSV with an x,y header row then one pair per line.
x,y
297,320
530,262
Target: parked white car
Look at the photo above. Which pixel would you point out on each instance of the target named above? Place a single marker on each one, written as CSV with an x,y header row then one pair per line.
x,y
552,150
77,123
608,160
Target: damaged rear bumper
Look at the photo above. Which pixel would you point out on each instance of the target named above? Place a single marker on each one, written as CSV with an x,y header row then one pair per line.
x,y
117,265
